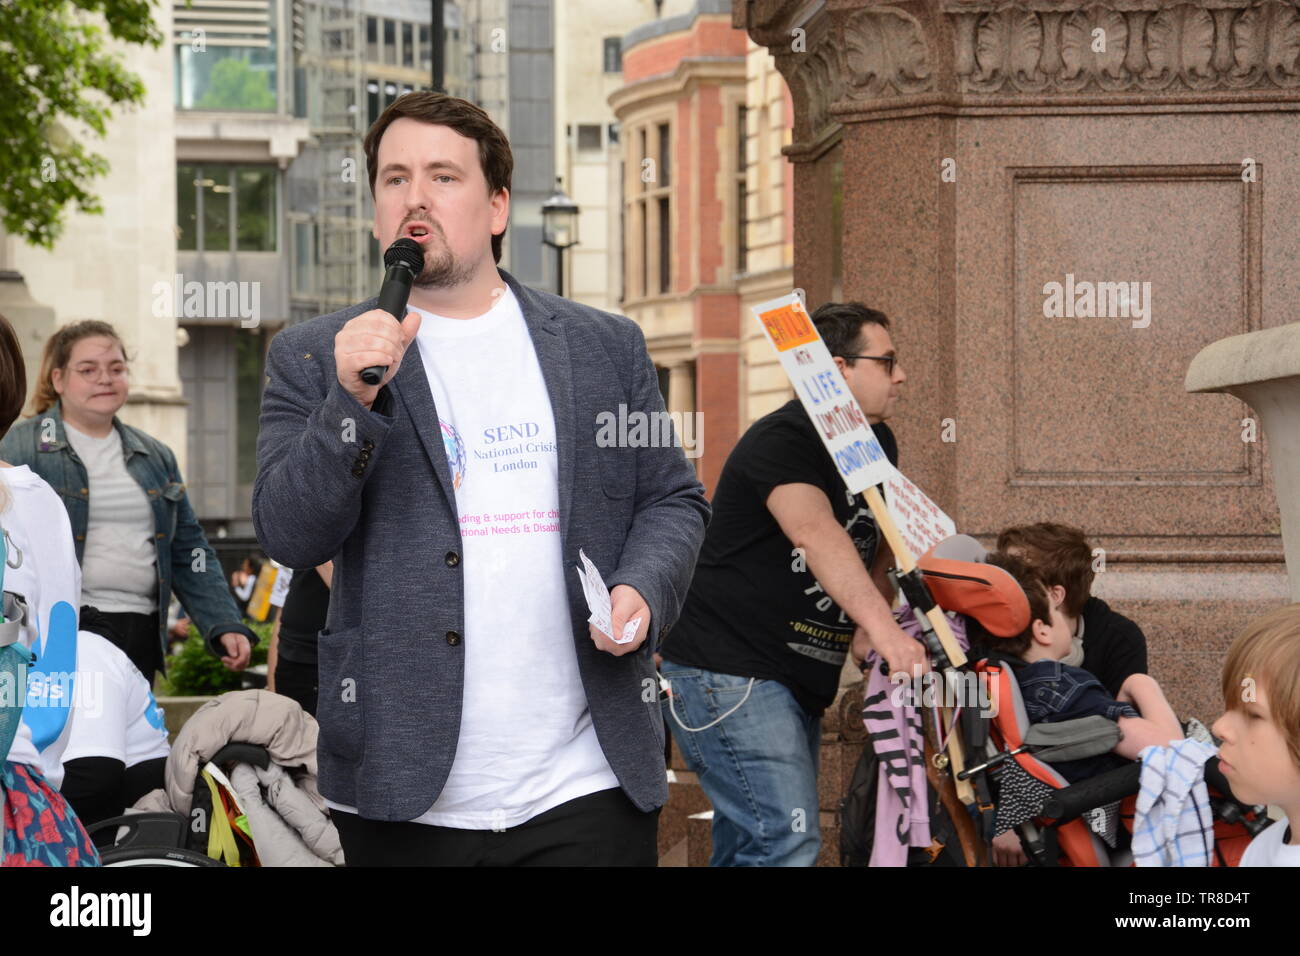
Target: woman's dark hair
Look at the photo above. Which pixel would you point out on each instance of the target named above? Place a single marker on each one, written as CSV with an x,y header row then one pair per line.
x,y
494,154
58,352
1062,555
840,325
13,376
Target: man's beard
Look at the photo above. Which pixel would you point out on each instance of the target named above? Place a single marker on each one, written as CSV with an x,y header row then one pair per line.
x,y
441,268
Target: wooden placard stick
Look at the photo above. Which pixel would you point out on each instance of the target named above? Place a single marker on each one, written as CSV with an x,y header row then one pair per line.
x,y
956,656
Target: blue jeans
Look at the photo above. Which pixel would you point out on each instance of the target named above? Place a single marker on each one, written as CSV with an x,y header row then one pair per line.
x,y
758,765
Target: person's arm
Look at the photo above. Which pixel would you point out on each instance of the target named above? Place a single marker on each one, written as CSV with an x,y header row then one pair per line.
x,y
669,517
804,513
326,572
203,592
306,497
1158,724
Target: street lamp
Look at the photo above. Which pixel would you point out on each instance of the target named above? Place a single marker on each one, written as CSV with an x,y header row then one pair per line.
x,y
559,229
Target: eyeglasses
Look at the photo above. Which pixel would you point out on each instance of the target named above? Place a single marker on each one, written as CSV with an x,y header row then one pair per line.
x,y
90,373
889,360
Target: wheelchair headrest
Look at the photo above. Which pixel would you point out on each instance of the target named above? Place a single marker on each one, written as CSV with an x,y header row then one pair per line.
x,y
982,591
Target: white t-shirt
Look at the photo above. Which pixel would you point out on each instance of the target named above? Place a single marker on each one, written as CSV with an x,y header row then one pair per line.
x,y
119,565
113,712
526,742
48,578
1268,849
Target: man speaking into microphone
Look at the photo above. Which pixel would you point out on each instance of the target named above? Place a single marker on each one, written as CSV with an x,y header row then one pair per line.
x,y
469,714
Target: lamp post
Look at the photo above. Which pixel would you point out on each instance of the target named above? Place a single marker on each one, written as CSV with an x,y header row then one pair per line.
x,y
559,229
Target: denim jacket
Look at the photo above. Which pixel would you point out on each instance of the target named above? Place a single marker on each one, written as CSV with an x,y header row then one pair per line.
x,y
41,443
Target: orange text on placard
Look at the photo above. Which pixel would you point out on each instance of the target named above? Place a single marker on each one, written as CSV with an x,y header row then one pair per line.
x,y
788,327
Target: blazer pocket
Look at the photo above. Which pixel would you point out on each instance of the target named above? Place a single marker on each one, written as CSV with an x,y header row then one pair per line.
x,y
340,700
617,471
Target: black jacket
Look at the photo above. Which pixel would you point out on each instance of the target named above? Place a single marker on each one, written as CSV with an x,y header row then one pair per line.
x,y
1113,646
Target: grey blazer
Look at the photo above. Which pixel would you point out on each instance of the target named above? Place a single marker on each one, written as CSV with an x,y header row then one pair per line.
x,y
371,490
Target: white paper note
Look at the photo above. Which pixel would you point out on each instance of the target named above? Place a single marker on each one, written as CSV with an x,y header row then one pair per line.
x,y
598,603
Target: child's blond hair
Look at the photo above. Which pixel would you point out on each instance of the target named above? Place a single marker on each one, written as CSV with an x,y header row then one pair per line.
x,y
1267,654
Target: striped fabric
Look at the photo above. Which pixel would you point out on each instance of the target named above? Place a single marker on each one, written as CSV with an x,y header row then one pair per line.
x,y
902,814
1174,825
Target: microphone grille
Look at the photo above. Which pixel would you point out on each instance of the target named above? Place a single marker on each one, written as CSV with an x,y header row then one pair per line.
x,y
405,252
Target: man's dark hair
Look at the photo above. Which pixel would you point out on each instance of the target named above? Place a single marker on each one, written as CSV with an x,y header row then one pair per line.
x,y
840,325
494,155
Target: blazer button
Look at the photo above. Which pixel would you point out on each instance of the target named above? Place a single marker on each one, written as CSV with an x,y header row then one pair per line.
x,y
367,444
357,471
452,559
365,455
453,638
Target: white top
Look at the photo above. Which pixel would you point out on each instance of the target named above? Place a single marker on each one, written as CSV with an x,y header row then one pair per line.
x,y
119,565
114,713
48,578
526,741
1267,849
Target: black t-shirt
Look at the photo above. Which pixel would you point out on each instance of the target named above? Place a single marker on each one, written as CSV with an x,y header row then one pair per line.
x,y
1113,646
754,609
303,616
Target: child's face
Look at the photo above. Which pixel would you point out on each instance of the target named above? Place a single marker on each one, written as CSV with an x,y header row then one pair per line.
x,y
1254,755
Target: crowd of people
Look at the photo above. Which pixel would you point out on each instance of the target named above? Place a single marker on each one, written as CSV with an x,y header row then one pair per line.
x,y
476,704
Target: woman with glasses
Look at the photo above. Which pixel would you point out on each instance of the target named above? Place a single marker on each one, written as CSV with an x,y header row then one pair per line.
x,y
136,536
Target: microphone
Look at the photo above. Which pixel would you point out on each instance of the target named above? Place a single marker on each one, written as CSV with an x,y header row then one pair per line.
x,y
403,261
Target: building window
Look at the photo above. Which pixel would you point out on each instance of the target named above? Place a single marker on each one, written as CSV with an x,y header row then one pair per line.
x,y
408,51
255,208
372,39
372,100
225,79
665,157
426,49
613,54
612,133
742,248
303,258
390,42
588,137
225,61
224,208
664,226
648,208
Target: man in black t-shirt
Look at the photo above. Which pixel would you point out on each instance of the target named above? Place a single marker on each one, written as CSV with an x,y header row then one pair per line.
x,y
790,581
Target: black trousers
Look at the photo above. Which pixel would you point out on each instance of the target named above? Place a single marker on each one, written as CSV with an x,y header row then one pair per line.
x,y
599,829
137,635
297,681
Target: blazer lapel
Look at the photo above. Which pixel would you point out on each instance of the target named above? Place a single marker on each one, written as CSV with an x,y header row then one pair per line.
x,y
557,371
412,386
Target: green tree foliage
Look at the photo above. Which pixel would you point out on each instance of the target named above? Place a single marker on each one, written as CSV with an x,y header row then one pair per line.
x,y
54,67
